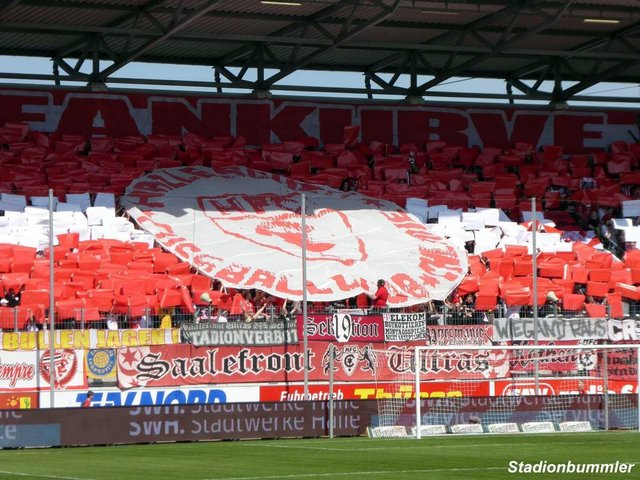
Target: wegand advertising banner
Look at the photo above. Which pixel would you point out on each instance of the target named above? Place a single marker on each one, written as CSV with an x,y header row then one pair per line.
x,y
30,371
549,329
239,333
569,328
342,327
144,397
172,365
89,338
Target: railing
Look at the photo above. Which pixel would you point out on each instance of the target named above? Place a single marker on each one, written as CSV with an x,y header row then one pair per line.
x,y
438,313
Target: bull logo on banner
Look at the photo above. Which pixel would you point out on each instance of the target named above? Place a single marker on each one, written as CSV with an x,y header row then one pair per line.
x,y
342,326
349,357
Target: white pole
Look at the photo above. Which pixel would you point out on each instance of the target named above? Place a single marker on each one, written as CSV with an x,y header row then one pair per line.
x,y
52,370
305,337
534,264
416,364
331,412
637,348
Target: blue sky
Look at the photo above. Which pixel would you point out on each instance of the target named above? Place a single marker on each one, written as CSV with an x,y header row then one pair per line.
x,y
342,79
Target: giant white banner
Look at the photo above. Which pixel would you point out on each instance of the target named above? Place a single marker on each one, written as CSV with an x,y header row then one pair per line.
x,y
243,227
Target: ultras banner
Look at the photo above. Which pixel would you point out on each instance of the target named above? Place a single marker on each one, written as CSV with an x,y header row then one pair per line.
x,y
173,365
239,333
278,120
343,327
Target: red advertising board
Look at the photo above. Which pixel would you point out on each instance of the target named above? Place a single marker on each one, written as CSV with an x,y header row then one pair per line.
x,y
343,327
18,400
558,386
173,365
374,391
266,121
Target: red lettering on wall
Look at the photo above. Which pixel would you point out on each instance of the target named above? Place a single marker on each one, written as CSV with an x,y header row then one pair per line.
x,y
493,131
253,122
15,108
106,116
286,123
176,118
420,126
332,123
376,126
570,131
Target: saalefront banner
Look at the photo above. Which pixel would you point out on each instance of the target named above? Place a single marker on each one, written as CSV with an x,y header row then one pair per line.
x,y
174,365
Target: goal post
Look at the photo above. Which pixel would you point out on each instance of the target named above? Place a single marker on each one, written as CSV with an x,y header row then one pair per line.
x,y
509,389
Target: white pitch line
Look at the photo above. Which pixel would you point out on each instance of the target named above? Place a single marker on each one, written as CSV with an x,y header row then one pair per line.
x,y
405,447
347,474
41,475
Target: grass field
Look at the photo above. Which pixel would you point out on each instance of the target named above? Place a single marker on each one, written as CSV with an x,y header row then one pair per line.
x,y
463,457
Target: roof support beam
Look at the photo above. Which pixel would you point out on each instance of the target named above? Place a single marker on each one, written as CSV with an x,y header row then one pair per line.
x,y
345,34
502,44
176,25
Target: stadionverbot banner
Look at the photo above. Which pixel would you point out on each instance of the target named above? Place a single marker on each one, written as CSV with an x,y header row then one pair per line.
x,y
240,333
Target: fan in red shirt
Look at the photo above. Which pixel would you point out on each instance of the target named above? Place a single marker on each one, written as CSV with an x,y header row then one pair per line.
x,y
379,299
87,401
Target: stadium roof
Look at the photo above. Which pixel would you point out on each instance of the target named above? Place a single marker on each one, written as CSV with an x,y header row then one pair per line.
x,y
256,44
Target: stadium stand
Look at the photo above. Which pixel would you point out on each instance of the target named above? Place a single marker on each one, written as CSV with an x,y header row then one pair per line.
x,y
589,268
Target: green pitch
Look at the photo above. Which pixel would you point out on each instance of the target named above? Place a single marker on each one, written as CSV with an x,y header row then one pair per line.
x,y
468,457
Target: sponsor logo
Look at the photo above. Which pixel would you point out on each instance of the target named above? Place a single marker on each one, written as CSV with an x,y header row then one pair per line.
x,y
155,397
523,389
101,362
